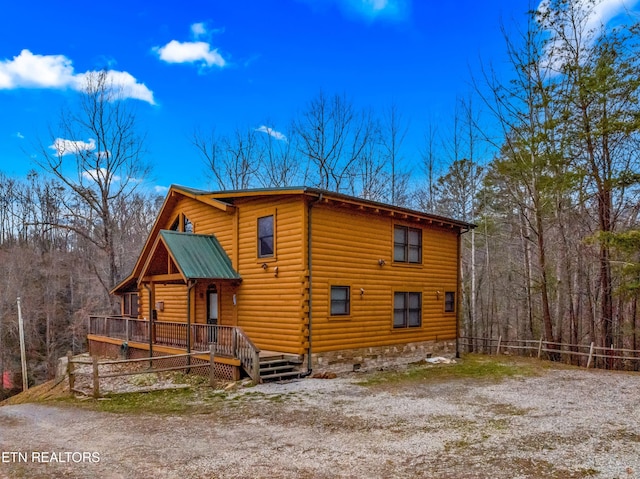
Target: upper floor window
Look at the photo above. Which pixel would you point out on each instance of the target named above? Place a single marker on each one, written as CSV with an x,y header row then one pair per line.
x,y
265,236
182,224
407,245
188,225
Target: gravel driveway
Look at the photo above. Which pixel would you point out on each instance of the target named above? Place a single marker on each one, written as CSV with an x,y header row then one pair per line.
x,y
561,424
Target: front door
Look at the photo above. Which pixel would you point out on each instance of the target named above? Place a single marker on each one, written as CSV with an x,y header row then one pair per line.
x,y
212,313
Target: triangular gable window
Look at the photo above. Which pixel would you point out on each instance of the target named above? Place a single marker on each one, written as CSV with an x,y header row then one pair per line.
x,y
188,225
182,224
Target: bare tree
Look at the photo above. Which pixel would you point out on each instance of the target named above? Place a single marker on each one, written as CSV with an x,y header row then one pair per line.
x,y
394,132
97,155
373,178
426,194
281,165
333,136
233,161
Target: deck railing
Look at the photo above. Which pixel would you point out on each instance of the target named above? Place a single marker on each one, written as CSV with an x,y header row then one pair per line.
x,y
127,329
228,341
248,354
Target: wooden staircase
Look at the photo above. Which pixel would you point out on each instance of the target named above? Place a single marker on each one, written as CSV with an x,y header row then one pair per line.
x,y
280,367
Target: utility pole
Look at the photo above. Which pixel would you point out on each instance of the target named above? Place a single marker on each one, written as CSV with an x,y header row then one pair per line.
x,y
1,358
23,355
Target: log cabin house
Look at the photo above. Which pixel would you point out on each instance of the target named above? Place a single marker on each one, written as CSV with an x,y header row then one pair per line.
x,y
310,278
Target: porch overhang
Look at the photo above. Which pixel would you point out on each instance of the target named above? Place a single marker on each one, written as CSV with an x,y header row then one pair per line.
x,y
182,257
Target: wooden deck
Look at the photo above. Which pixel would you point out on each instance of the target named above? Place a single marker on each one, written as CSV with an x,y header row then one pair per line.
x,y
231,345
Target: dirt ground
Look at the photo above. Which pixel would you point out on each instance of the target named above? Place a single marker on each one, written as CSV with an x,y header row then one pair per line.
x,y
561,423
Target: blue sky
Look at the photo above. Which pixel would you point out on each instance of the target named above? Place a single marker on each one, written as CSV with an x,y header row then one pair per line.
x,y
240,64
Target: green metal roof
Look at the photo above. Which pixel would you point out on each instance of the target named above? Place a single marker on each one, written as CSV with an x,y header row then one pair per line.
x,y
198,256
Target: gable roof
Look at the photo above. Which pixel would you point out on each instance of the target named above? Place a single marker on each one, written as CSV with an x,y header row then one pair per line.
x,y
198,256
226,201
230,196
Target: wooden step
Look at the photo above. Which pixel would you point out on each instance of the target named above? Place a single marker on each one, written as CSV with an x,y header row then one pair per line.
x,y
281,368
281,376
276,362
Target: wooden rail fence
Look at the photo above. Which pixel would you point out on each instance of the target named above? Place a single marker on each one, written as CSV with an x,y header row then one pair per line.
x,y
96,365
587,355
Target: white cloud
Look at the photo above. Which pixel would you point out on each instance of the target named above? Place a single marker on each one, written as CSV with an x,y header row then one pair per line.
x,y
29,70
198,30
593,18
161,190
395,10
606,10
19,135
600,13
125,84
271,132
71,147
35,71
98,174
190,52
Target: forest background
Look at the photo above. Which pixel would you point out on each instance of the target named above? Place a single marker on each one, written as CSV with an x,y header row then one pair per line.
x,y
546,163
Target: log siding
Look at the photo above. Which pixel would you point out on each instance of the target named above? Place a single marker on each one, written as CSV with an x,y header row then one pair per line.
x,y
352,245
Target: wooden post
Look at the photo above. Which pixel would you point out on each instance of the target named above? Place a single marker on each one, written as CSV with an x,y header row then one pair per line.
x,y
235,342
256,367
590,355
499,341
612,362
96,379
72,379
212,366
540,348
23,354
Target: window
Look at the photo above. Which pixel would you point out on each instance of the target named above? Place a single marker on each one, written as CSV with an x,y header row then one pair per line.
x,y
407,245
265,236
182,224
340,300
449,302
407,310
130,305
188,225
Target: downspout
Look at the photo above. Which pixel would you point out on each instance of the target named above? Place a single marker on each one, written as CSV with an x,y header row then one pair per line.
x,y
458,291
459,286
310,269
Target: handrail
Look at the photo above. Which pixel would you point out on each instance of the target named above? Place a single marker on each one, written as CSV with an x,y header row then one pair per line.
x,y
248,354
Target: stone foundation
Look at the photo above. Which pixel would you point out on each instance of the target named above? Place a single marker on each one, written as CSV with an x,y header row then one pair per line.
x,y
381,357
